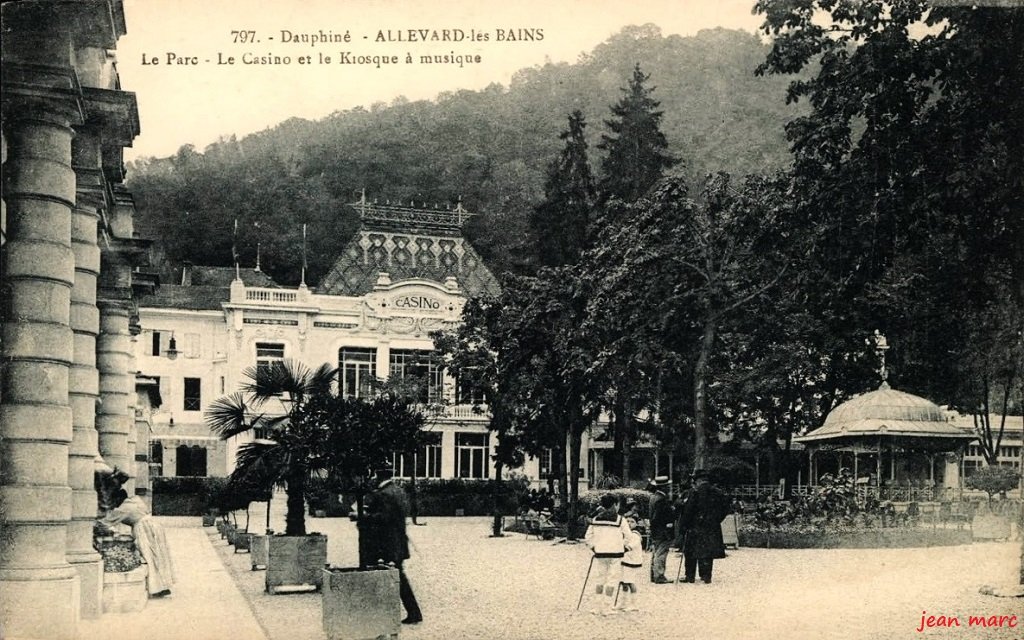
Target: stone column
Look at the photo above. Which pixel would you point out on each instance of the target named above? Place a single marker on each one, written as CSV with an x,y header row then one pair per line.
x,y
39,590
84,380
132,484
112,356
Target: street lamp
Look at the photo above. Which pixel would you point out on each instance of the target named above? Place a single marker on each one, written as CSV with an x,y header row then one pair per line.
x,y
172,348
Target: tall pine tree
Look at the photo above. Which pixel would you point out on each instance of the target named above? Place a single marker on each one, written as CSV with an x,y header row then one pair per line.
x,y
637,149
560,222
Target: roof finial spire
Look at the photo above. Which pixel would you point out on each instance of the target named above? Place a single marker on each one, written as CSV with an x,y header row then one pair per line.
x,y
257,256
881,346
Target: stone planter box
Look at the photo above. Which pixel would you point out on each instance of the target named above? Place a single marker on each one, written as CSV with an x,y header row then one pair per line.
x,y
988,526
361,604
296,561
730,532
243,541
259,547
125,592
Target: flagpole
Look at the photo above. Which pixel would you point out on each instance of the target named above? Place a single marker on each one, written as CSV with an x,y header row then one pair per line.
x,y
234,250
303,283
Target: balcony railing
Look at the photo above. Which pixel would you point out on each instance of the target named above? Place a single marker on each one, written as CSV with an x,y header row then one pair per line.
x,y
271,295
457,411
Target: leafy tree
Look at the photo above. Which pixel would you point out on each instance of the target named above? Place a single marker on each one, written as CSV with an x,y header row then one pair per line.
x,y
685,267
637,150
910,169
363,435
560,223
294,447
994,479
526,353
477,356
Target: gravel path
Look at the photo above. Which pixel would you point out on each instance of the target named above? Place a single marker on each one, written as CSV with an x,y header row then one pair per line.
x,y
473,586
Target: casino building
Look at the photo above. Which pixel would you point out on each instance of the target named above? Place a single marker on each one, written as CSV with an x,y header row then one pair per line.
x,y
405,273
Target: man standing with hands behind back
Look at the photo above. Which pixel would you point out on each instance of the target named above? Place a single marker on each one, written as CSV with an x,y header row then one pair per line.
x,y
701,521
662,518
383,527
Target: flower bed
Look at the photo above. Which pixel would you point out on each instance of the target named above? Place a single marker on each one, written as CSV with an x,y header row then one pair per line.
x,y
835,538
119,553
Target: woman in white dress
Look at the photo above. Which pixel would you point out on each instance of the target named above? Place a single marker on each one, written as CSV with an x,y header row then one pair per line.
x,y
149,538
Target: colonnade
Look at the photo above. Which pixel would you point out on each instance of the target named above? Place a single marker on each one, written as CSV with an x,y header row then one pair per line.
x,y
66,286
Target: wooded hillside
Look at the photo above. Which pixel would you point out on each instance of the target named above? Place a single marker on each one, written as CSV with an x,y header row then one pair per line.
x,y
489,147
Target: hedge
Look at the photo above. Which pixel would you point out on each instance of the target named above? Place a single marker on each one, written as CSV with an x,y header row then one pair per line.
x,y
893,538
185,496
433,498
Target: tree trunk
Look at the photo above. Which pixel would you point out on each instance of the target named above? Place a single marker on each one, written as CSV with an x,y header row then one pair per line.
x,y
618,457
627,444
563,484
700,438
496,490
414,505
575,444
295,518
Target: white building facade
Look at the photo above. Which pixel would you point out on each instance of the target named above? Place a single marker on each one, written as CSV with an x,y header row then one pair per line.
x,y
406,273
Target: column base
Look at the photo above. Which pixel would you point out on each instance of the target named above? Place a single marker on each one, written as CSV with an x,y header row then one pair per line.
x,y
43,609
90,574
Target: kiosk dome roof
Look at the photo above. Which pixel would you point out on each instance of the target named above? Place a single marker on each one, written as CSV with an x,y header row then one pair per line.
x,y
886,412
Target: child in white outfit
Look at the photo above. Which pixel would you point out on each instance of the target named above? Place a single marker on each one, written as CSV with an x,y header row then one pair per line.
x,y
607,538
632,568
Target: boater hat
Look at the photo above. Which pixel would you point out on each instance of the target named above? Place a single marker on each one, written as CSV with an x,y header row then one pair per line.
x,y
659,482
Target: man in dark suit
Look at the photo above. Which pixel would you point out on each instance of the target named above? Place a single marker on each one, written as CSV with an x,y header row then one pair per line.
x,y
662,517
383,528
701,521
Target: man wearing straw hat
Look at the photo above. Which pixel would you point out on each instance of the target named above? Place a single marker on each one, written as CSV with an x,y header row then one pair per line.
x,y
662,518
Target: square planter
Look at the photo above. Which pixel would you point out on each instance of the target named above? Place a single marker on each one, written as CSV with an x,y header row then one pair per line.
x,y
295,561
730,533
243,541
125,592
361,604
260,550
988,526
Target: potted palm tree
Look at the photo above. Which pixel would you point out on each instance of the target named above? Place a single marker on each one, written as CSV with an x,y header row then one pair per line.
x,y
363,602
289,452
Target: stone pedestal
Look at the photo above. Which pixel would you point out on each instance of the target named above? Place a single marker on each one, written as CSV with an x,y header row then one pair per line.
x,y
125,592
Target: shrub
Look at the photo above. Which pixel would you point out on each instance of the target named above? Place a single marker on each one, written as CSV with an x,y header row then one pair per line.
x,y
993,479
437,497
827,537
185,496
